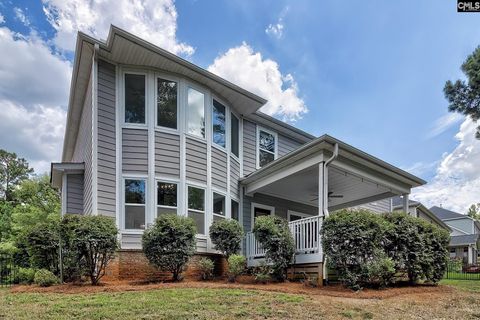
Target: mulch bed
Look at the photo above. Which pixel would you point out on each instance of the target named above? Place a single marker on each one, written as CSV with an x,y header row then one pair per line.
x,y
244,283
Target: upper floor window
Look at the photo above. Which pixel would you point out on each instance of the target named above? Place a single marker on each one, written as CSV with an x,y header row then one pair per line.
x,y
134,98
167,103
234,136
218,123
166,198
134,204
196,113
267,146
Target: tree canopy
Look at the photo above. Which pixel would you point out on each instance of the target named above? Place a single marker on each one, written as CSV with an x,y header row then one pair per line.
x,y
464,96
13,170
474,211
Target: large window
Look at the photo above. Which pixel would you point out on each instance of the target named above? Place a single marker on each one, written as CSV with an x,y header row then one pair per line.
x,y
218,123
234,136
196,207
267,146
218,206
134,98
234,208
166,103
166,198
134,204
196,113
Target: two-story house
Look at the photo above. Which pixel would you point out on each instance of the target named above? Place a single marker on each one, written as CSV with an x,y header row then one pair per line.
x,y
465,233
149,133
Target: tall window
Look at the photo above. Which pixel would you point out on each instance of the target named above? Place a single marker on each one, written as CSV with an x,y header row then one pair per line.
x,y
196,113
166,103
234,208
266,147
218,123
134,98
196,207
166,198
134,204
218,206
234,136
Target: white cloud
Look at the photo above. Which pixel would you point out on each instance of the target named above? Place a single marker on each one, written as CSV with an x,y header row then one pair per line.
x,y
456,184
249,70
2,18
443,123
420,168
20,15
276,29
34,87
152,20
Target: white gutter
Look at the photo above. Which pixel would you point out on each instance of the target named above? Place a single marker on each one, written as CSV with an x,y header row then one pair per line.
x,y
325,180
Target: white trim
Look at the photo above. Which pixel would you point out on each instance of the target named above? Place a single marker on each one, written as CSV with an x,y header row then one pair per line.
x,y
227,127
64,194
224,195
118,149
95,132
156,205
205,111
150,103
145,73
257,144
297,213
260,206
170,78
205,201
147,198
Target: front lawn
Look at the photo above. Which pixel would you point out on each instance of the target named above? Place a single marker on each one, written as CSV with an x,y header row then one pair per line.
x,y
467,285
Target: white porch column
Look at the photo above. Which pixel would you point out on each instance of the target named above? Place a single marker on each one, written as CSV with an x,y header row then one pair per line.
x,y
405,203
470,255
321,188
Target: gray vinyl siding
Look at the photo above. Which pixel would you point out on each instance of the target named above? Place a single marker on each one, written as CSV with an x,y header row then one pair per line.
x,y
196,160
234,177
281,207
83,149
167,154
219,169
74,194
135,151
286,145
380,206
134,242
249,147
106,140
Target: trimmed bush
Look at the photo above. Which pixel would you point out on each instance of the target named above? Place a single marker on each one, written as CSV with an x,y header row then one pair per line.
x,y
26,275
378,271
45,278
350,240
169,243
236,266
41,243
93,241
275,237
227,236
205,266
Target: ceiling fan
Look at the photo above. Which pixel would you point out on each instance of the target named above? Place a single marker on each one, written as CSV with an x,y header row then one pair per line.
x,y
330,195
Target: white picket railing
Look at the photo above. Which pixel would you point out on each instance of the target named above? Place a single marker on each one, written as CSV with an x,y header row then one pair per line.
x,y
306,236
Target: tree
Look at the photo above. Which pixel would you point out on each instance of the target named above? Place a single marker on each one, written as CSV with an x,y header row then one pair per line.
x,y
474,211
464,97
13,171
227,236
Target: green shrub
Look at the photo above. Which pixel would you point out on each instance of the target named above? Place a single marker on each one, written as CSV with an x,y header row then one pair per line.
x,y
25,275
169,243
275,237
350,239
93,242
205,266
45,278
227,236
236,266
74,266
42,245
262,273
455,264
379,270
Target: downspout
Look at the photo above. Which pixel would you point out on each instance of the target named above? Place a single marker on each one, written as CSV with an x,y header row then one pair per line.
x,y
325,180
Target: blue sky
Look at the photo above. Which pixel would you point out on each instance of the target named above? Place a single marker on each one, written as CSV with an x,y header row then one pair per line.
x,y
370,73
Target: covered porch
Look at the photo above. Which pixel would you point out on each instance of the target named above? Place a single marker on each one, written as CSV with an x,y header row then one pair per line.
x,y
307,184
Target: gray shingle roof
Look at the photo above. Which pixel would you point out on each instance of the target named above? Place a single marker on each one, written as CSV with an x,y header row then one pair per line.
x,y
464,239
443,214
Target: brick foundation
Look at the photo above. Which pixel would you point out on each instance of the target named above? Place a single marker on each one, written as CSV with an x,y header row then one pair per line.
x,y
133,265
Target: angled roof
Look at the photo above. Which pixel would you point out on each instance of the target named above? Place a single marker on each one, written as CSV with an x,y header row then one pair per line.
x,y
398,202
464,239
444,214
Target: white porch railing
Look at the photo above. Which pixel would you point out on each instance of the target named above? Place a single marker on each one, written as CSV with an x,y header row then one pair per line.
x,y
306,236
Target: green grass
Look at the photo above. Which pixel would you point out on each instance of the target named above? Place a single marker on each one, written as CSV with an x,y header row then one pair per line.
x,y
466,285
155,304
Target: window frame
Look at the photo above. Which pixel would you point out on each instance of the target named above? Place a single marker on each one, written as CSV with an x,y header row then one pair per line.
x,y
189,85
177,183
227,126
233,199
124,204
122,99
257,147
224,195
187,208
233,114
297,213
260,206
167,77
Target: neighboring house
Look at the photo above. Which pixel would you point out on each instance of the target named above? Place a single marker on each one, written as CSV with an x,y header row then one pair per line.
x,y
465,232
149,133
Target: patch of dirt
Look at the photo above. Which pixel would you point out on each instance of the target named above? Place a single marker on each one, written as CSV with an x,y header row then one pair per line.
x,y
417,293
